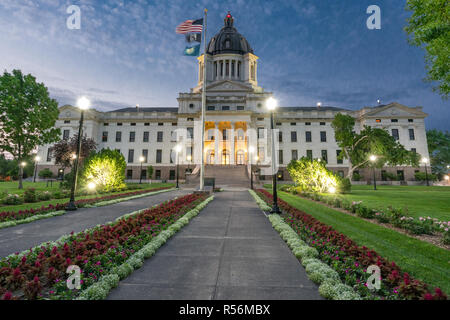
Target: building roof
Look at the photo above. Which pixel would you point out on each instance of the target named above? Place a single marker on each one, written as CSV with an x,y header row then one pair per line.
x,y
229,40
157,109
312,109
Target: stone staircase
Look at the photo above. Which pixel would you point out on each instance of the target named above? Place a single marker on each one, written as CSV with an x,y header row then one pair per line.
x,y
226,176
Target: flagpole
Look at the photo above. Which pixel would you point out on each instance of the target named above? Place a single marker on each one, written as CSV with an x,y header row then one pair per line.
x,y
202,168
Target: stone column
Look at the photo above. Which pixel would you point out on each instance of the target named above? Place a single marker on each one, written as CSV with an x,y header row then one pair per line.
x,y
229,69
235,69
216,144
223,69
232,151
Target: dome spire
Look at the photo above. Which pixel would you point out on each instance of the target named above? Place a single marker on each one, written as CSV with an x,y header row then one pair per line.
x,y
229,21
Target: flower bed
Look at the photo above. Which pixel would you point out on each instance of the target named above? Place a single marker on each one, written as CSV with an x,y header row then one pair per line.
x,y
7,216
396,217
351,261
103,253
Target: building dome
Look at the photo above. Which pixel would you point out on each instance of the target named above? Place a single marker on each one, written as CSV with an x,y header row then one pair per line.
x,y
229,40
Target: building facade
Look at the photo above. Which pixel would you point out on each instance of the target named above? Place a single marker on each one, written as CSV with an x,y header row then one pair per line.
x,y
236,125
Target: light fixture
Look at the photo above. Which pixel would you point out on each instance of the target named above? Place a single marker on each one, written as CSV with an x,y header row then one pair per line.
x,y
37,158
141,159
373,158
74,156
83,103
251,149
332,190
447,178
424,160
319,104
189,158
91,185
23,164
271,104
177,148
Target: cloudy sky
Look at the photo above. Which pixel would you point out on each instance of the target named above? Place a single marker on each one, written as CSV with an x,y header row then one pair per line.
x,y
127,52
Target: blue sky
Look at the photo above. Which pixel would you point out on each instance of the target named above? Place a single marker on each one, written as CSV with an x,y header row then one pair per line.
x,y
127,52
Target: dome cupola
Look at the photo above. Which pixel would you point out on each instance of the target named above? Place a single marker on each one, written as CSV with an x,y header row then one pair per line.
x,y
229,40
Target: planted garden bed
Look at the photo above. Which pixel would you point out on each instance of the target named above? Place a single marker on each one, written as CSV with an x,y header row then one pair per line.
x,y
351,261
104,254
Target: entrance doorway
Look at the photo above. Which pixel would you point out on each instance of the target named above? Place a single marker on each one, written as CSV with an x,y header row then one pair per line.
x,y
210,158
225,157
240,157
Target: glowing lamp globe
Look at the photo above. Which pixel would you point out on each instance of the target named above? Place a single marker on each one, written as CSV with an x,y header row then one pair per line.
x,y
83,103
91,185
271,104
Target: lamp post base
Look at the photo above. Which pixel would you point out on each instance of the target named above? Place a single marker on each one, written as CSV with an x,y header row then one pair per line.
x,y
275,210
71,206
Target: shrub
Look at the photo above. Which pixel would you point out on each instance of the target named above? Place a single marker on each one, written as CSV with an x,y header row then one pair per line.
x,y
45,174
29,195
312,175
390,176
44,196
13,199
356,176
422,176
344,186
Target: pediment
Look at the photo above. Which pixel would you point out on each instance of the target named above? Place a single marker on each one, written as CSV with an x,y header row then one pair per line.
x,y
228,86
395,110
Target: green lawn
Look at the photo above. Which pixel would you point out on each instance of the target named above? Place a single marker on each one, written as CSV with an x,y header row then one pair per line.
x,y
41,186
421,201
421,259
13,186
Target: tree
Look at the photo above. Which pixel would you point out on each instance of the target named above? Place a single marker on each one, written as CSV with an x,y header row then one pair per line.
x,y
27,116
313,175
106,169
65,149
358,147
150,173
429,28
439,149
10,167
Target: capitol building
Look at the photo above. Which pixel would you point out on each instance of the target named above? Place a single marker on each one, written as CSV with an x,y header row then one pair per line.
x,y
237,123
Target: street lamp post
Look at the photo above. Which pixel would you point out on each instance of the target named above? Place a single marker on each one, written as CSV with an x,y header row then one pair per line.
x,y
178,150
251,150
373,159
141,160
36,160
272,105
82,103
425,161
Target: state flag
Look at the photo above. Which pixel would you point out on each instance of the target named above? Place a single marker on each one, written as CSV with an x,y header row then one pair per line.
x,y
192,51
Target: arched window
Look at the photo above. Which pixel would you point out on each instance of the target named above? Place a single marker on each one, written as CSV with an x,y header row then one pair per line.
x,y
227,44
240,134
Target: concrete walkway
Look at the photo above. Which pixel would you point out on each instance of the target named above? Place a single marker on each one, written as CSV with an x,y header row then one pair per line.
x,y
28,235
230,251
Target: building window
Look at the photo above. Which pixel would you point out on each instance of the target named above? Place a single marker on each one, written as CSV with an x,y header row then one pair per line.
x,y
323,136
191,105
410,120
106,124
49,154
294,155
172,175
278,124
132,136
293,123
66,121
260,133
394,120
129,174
280,136
411,134
294,136
395,134
308,136
211,108
105,136
224,135
66,134
259,105
225,108
158,156
130,156
401,175
143,174
189,154
145,155
240,108
378,121
133,124
190,119
307,123
338,153
119,124
159,136
119,136
160,124
173,136
309,154
413,150
190,133
260,119
341,173
261,154
383,175
322,123
157,174
146,136
280,156
325,156
147,124
174,124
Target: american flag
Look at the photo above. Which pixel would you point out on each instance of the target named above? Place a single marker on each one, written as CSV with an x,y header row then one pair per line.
x,y
190,26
